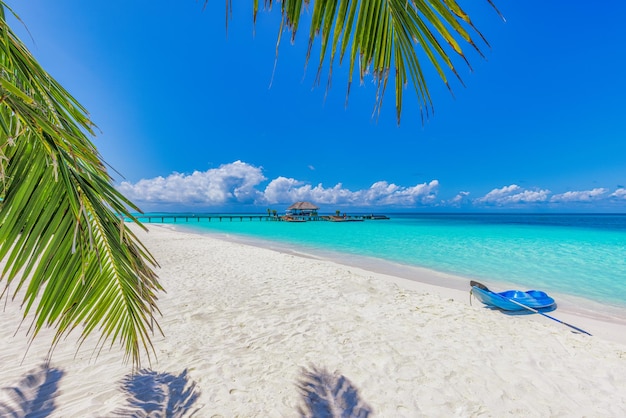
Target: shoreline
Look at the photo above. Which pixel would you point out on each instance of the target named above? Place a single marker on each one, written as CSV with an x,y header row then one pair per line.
x,y
610,321
246,326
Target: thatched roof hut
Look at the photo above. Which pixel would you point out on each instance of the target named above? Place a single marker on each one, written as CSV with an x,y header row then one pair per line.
x,y
302,208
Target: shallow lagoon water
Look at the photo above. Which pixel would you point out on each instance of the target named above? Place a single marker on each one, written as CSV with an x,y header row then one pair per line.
x,y
579,255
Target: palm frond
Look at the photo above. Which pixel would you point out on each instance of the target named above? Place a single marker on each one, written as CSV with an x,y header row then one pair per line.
x,y
62,235
386,37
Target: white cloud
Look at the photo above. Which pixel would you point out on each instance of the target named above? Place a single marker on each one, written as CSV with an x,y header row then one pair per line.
x,y
497,194
239,182
619,193
459,199
513,194
233,182
383,193
284,190
579,196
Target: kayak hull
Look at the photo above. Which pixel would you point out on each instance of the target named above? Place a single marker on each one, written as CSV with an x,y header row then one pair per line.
x,y
535,299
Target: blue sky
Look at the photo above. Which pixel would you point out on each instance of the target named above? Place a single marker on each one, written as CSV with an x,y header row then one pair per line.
x,y
189,121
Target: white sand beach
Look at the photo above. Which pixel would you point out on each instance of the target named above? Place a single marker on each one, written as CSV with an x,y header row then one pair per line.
x,y
245,325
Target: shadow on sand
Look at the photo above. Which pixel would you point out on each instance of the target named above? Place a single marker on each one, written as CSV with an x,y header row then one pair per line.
x,y
327,395
152,394
34,395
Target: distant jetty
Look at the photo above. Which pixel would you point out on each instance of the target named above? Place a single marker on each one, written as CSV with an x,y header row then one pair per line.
x,y
163,218
297,212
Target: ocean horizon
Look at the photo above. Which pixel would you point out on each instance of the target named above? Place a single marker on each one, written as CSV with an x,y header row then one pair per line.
x,y
574,254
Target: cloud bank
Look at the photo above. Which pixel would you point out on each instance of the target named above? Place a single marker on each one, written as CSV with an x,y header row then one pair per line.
x,y
239,183
234,182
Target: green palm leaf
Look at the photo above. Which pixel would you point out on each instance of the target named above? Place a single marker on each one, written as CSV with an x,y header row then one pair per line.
x,y
62,239
386,37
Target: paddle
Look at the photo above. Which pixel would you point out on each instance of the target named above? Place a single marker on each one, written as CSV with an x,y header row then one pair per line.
x,y
486,289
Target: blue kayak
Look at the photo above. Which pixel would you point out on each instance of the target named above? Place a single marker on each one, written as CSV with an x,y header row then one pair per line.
x,y
514,300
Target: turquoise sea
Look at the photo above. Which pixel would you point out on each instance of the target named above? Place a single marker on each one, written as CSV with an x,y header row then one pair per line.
x,y
582,255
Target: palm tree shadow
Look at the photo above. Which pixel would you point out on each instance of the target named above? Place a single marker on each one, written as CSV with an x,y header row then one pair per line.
x,y
327,395
34,395
152,394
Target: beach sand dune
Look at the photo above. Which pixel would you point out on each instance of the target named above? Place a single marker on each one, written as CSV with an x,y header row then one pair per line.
x,y
251,332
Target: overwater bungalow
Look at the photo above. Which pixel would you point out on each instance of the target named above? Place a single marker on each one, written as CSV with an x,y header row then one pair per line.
x,y
302,209
307,211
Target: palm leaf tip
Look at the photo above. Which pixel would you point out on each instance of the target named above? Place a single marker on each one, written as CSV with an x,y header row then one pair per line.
x,y
386,34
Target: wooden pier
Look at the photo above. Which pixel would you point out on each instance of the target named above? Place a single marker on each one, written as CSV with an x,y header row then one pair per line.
x,y
248,218
208,218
